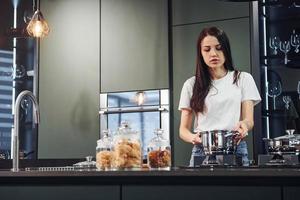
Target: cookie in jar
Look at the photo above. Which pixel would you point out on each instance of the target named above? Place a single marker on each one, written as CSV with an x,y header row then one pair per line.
x,y
104,151
159,152
127,148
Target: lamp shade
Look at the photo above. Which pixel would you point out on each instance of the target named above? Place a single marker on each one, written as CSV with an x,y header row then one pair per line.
x,y
38,27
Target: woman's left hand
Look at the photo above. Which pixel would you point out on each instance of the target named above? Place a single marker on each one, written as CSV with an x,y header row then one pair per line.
x,y
242,129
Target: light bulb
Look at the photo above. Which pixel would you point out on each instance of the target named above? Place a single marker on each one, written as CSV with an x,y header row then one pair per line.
x,y
140,98
38,26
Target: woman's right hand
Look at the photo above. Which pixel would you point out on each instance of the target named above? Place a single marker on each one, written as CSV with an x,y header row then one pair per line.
x,y
196,139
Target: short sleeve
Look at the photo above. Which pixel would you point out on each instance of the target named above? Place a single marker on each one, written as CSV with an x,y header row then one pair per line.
x,y
186,94
249,88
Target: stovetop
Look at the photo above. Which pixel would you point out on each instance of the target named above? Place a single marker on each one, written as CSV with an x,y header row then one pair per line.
x,y
240,167
264,161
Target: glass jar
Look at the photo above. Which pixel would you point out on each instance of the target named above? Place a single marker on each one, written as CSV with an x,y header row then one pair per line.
x,y
127,148
159,152
104,151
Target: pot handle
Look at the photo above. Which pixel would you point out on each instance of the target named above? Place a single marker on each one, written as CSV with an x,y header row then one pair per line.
x,y
231,133
267,139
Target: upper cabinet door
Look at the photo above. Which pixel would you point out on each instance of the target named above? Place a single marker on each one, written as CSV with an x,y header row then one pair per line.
x,y
194,11
134,45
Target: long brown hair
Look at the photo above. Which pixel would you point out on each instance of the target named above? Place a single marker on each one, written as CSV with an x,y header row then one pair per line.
x,y
203,77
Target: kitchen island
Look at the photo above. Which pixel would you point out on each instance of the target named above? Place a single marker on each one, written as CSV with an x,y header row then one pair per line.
x,y
178,183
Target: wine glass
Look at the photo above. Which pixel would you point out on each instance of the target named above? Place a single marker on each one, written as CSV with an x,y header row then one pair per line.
x,y
287,100
274,43
285,47
295,41
298,89
274,90
294,5
20,71
27,16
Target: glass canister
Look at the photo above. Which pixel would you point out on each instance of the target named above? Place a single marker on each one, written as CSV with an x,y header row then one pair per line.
x,y
104,151
159,151
127,148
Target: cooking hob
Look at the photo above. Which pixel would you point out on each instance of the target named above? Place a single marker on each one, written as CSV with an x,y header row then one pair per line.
x,y
232,161
217,160
278,159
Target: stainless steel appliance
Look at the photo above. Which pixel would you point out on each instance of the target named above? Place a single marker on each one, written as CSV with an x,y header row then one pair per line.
x,y
283,150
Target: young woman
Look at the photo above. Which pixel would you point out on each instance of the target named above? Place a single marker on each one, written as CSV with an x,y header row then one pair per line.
x,y
220,97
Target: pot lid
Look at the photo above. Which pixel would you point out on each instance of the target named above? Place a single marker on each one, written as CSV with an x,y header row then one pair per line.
x,y
290,135
86,164
285,137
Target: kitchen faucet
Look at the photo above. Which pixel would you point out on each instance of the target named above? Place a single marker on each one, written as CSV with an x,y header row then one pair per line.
x,y
15,136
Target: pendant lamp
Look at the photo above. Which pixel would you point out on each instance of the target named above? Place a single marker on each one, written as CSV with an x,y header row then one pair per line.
x,y
38,27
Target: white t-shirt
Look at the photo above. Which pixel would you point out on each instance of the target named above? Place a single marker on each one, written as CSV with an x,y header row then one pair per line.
x,y
223,101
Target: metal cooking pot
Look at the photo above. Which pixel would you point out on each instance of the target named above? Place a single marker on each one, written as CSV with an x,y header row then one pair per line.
x,y
287,144
218,141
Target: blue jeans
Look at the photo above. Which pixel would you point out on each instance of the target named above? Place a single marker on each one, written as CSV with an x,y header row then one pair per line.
x,y
241,153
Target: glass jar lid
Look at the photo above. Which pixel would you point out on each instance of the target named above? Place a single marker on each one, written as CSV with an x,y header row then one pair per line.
x,y
290,135
124,128
159,140
125,132
106,140
87,164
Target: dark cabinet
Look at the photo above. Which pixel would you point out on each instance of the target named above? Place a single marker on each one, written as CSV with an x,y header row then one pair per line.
x,y
78,192
279,33
200,192
291,193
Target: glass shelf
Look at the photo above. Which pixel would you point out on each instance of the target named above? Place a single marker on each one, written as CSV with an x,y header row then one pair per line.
x,y
292,57
279,21
281,3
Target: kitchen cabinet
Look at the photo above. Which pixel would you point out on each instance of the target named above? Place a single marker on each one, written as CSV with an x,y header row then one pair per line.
x,y
179,192
78,192
203,183
279,33
69,79
134,45
291,193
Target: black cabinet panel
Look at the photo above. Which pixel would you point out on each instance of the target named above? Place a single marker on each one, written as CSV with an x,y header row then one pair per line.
x,y
200,192
60,192
291,193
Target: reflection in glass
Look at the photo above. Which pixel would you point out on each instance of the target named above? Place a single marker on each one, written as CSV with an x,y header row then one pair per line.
x,y
128,99
6,95
274,90
6,72
140,98
25,104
